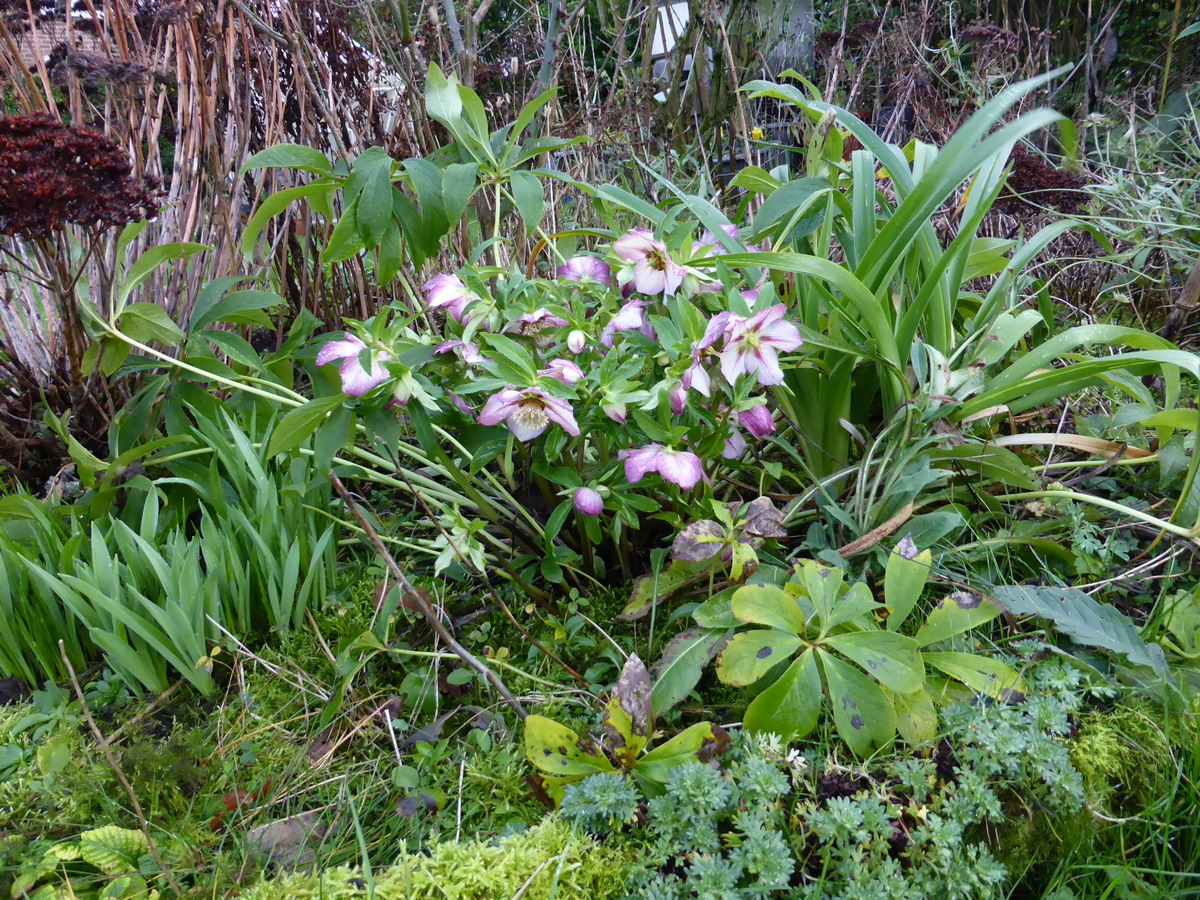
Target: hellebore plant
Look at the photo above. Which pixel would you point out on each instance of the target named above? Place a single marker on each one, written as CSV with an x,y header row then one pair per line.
x,y
615,401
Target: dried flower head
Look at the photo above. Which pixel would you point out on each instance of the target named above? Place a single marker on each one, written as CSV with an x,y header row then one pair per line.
x,y
55,174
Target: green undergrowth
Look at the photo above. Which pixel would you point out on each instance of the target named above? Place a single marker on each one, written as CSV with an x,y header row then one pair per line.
x,y
547,861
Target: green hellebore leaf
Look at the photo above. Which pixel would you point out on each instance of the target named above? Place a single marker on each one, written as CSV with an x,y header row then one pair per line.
x,y
789,707
891,659
701,741
762,604
904,579
916,718
751,654
959,612
557,750
862,713
981,674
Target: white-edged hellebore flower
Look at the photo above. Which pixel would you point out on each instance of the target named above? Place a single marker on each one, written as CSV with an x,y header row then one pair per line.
x,y
450,292
356,380
678,466
528,412
576,341
564,370
753,344
757,420
586,269
588,502
650,269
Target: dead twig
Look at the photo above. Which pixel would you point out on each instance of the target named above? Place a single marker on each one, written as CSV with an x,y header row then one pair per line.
x,y
103,743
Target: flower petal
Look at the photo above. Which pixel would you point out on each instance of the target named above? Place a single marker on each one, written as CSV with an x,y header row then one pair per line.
x,y
681,467
351,346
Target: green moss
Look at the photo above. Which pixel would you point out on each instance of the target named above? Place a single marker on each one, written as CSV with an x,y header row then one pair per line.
x,y
549,860
1120,754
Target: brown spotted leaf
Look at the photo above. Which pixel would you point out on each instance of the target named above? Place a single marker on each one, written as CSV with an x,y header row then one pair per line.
x,y
699,541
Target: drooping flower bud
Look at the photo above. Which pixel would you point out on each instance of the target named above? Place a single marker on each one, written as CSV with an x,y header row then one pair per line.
x,y
588,502
576,341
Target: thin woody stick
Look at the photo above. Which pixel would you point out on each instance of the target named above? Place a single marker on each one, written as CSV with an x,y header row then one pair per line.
x,y
430,616
112,762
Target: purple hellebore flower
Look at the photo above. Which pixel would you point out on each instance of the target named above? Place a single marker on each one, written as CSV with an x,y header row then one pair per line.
x,y
588,502
757,420
536,322
356,380
616,411
576,341
584,269
469,352
752,345
678,466
651,269
564,370
678,395
528,412
708,241
629,317
460,403
735,445
448,291
695,377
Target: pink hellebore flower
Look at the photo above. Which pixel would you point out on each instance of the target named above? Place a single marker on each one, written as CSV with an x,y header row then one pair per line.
x,y
753,344
448,291
564,370
469,352
576,341
629,317
651,269
615,410
735,445
695,377
588,502
356,380
536,322
528,412
758,420
708,241
678,466
585,269
678,396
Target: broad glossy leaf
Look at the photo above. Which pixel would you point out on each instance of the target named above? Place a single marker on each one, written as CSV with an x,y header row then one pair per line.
x,y
290,156
959,612
761,604
892,659
529,197
717,611
904,580
863,714
751,654
981,674
790,707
